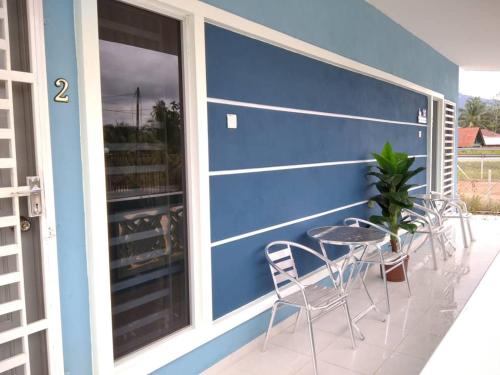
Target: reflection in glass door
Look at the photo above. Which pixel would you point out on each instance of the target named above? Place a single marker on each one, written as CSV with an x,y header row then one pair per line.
x,y
141,86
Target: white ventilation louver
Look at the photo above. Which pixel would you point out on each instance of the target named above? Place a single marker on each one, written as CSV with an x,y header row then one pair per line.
x,y
449,148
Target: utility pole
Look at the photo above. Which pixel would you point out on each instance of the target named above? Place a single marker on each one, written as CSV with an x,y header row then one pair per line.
x,y
137,109
137,120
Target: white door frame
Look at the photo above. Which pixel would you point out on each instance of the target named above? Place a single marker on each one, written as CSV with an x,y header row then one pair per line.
x,y
435,167
43,155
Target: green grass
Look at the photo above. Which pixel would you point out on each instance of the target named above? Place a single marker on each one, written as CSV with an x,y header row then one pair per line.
x,y
478,151
477,204
473,170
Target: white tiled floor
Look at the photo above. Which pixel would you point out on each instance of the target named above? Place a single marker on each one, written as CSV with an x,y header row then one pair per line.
x,y
404,342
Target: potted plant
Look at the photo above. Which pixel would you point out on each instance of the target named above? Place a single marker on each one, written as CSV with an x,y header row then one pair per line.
x,y
393,173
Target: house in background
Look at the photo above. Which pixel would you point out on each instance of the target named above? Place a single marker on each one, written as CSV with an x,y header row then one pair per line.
x,y
477,137
490,138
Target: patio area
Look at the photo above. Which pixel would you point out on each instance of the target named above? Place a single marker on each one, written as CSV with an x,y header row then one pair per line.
x,y
400,345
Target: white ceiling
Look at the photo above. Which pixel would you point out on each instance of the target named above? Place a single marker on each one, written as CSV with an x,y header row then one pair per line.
x,y
465,31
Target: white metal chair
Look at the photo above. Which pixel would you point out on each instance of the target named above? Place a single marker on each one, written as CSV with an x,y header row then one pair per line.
x,y
311,298
387,260
454,208
429,223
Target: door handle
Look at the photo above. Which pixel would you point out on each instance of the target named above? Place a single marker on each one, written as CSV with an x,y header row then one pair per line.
x,y
33,191
35,197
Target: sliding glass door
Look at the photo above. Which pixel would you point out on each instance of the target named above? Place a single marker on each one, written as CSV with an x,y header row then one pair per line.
x,y
141,80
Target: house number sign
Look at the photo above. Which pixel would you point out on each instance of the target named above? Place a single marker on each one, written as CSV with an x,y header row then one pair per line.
x,y
62,96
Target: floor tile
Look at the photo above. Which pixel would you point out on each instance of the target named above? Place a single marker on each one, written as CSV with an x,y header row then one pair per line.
x,y
387,335
233,371
335,322
419,344
365,359
401,364
275,359
325,368
300,342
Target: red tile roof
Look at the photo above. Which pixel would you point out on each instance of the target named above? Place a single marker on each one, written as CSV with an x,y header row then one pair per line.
x,y
490,138
467,137
489,133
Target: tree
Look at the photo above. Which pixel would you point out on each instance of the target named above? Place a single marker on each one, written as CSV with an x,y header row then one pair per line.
x,y
471,114
493,116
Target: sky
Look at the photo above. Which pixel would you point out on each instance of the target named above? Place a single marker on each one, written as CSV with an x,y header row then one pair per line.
x,y
480,83
123,69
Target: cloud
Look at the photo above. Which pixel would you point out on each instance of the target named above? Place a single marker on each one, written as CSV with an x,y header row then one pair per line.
x,y
124,68
480,83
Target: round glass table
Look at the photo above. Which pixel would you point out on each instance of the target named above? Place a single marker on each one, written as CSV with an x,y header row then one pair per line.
x,y
358,239
347,235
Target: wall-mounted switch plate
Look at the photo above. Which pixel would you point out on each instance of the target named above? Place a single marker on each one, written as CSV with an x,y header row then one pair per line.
x,y
420,134
232,121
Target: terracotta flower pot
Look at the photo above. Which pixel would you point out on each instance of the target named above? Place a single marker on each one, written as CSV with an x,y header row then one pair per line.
x,y
397,275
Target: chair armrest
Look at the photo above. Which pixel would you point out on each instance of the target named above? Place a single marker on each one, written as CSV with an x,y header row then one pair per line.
x,y
454,199
328,263
411,213
459,205
429,212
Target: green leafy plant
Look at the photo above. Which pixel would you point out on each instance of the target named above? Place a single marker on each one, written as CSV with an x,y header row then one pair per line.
x,y
393,173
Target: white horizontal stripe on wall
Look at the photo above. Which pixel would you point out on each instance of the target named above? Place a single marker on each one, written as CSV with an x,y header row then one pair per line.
x,y
295,166
285,224
307,112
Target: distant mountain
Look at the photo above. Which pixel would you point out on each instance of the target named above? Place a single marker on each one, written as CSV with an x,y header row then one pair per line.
x,y
462,98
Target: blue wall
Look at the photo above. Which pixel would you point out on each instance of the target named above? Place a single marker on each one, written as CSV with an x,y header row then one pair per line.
x,y
372,39
67,166
354,29
244,69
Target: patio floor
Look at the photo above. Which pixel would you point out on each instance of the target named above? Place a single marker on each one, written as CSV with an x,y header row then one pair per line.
x,y
401,345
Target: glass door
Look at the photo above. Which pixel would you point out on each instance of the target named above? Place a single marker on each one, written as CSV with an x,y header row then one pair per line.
x,y
141,87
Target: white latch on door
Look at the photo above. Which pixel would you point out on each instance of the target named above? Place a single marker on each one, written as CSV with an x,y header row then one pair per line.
x,y
33,191
35,196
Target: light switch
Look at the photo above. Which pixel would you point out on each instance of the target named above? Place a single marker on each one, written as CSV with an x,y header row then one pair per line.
x,y
232,121
420,134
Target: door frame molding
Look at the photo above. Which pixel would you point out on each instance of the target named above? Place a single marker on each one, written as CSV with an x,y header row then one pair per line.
x,y
43,155
435,167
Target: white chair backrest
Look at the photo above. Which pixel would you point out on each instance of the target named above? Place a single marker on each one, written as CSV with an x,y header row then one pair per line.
x,y
280,255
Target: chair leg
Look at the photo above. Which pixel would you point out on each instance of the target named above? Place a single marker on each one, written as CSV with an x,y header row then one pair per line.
x,y
297,318
464,234
443,246
384,276
406,278
349,323
366,271
370,298
433,249
311,337
470,230
271,321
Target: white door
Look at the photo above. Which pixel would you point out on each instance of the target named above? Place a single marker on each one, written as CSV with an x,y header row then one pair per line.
x,y
30,339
